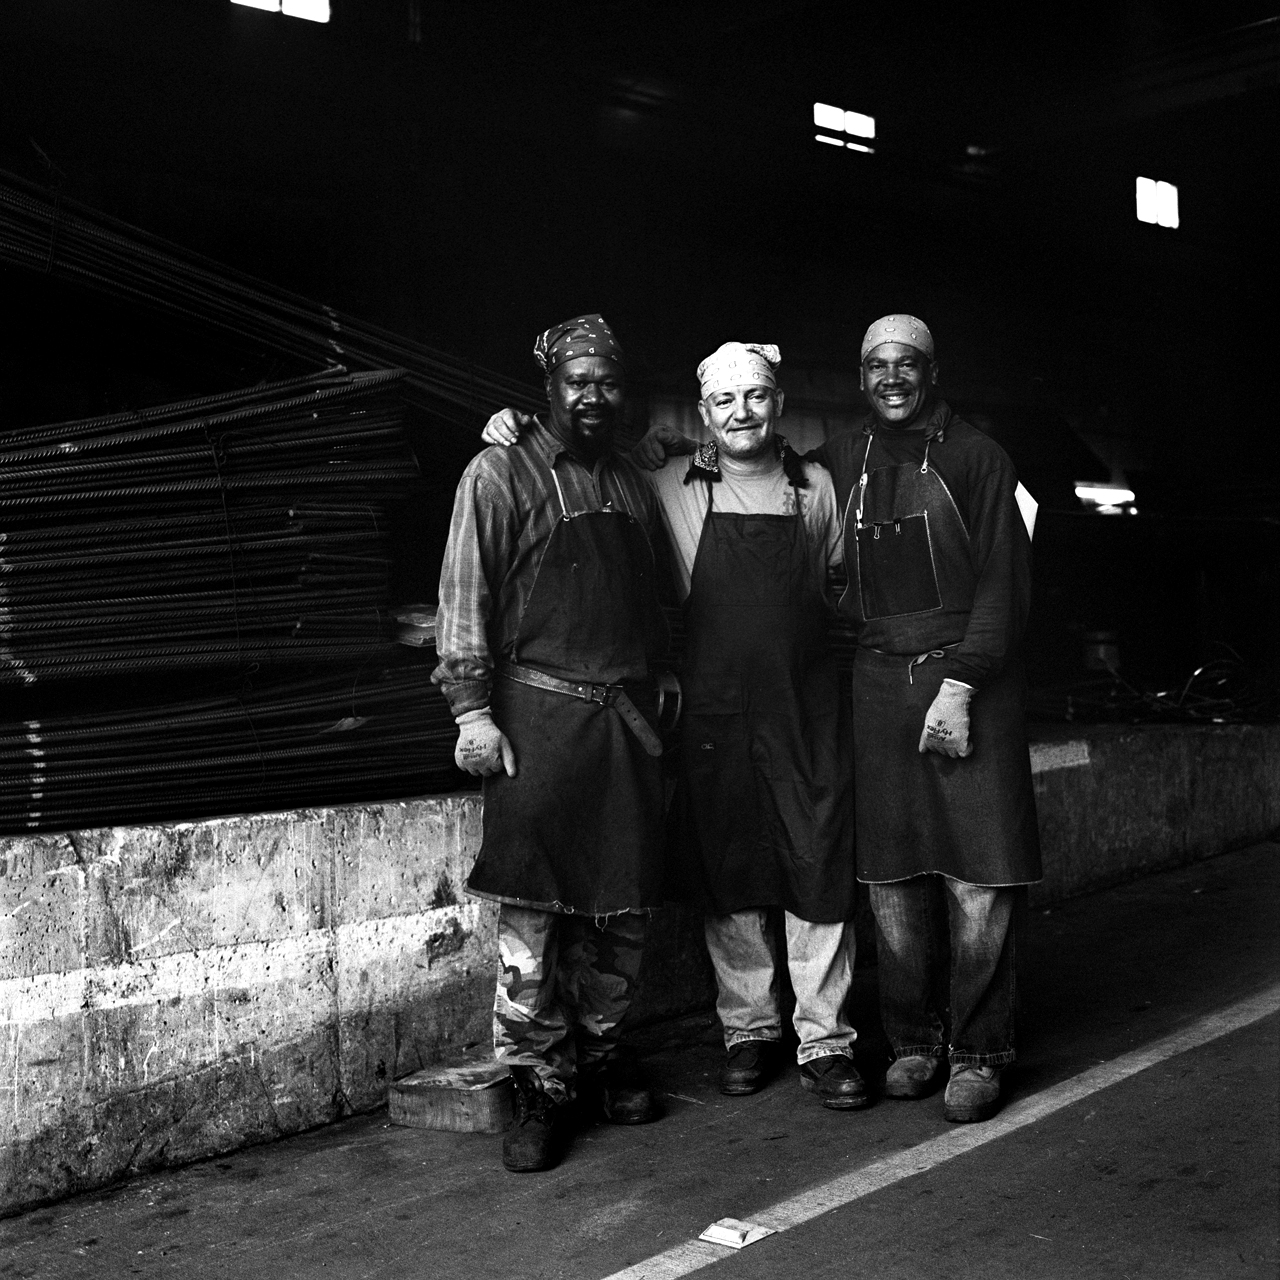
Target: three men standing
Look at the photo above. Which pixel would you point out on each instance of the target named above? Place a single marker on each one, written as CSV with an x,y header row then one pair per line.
x,y
548,629
938,562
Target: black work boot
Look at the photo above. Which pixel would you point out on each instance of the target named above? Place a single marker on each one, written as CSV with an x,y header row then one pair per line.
x,y
836,1081
539,1132
749,1066
616,1091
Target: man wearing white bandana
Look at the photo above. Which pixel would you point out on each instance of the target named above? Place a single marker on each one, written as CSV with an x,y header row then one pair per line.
x,y
763,818
938,553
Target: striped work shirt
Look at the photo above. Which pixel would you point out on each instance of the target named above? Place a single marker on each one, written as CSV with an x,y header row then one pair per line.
x,y
503,514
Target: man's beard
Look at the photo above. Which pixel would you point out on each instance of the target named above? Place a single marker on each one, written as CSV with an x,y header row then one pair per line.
x,y
593,437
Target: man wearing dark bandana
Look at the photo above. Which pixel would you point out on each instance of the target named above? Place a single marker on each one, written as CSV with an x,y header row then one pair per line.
x,y
548,629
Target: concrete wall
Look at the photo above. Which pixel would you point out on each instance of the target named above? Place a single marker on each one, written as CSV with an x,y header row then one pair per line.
x,y
1116,801
168,993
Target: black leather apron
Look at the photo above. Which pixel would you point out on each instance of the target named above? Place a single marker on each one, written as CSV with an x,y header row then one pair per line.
x,y
974,819
764,816
579,828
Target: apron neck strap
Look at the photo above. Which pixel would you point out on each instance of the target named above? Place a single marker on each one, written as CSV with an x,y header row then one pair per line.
x,y
862,480
564,510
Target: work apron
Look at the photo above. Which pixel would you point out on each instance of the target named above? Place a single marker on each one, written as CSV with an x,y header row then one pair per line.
x,y
579,828
764,814
907,552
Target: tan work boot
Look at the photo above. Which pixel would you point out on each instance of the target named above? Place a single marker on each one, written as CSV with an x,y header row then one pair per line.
x,y
912,1077
973,1093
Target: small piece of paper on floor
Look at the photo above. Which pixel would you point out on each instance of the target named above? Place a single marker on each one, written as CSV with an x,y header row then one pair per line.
x,y
735,1233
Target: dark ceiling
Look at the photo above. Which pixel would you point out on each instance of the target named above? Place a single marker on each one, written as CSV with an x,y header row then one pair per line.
x,y
466,173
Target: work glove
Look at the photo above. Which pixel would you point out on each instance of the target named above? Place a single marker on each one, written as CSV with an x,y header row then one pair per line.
x,y
505,426
946,726
482,747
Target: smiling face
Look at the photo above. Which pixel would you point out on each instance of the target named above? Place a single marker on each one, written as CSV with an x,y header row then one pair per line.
x,y
897,379
586,397
742,419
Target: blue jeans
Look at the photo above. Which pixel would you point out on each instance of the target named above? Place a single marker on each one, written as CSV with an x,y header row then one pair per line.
x,y
909,941
819,961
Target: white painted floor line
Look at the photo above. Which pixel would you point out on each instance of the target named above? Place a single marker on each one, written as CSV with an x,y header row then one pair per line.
x,y
683,1259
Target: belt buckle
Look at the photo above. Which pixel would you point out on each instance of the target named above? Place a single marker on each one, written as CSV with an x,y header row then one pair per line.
x,y
605,694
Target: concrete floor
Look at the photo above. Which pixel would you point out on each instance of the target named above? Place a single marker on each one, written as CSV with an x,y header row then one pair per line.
x,y
1169,1173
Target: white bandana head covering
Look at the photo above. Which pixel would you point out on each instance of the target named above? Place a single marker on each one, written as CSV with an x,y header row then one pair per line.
x,y
904,329
739,364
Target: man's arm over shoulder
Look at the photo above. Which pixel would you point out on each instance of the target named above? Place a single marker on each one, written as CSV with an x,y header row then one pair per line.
x,y
481,540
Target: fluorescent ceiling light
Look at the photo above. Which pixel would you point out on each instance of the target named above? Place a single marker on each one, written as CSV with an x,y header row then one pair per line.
x,y
822,137
857,146
1146,200
838,120
1157,202
859,125
271,6
826,117
311,10
1099,494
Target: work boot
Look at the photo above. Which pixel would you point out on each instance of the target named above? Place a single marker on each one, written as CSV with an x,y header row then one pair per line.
x,y
615,1090
749,1066
913,1076
973,1093
836,1081
539,1132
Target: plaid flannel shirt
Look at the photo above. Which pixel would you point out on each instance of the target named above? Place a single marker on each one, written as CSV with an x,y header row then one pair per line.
x,y
503,513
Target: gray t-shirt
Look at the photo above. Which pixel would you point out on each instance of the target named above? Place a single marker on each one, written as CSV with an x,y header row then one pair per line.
x,y
758,487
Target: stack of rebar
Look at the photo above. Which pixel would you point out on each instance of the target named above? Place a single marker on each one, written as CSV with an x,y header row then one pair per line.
x,y
246,528
337,737
47,232
235,551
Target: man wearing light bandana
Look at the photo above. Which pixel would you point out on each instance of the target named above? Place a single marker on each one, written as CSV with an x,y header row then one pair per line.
x,y
763,818
939,565
548,629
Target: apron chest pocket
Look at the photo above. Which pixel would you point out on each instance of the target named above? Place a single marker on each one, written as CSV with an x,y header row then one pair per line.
x,y
896,573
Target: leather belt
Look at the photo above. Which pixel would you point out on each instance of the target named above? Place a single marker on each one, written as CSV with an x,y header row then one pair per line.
x,y
607,695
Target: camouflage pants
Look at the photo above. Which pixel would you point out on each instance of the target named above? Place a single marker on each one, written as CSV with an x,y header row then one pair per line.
x,y
565,984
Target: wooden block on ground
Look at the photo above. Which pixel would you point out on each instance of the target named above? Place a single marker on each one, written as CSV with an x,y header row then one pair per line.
x,y
476,1098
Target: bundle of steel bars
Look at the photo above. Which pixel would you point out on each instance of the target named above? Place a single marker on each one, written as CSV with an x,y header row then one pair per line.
x,y
333,738
47,232
238,529
238,541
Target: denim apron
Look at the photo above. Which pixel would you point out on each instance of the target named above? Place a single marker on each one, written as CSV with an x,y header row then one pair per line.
x,y
764,814
579,828
907,552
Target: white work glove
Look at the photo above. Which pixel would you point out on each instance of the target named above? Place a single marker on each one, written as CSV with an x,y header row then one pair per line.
x,y
505,426
659,444
946,726
482,747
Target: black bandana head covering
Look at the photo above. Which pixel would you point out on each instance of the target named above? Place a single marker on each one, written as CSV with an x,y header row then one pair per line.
x,y
581,336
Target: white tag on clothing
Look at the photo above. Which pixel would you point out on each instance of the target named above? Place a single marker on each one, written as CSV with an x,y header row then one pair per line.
x,y
1027,508
735,1233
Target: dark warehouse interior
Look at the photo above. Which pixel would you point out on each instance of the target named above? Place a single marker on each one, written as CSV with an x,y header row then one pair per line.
x,y
267,279
458,173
